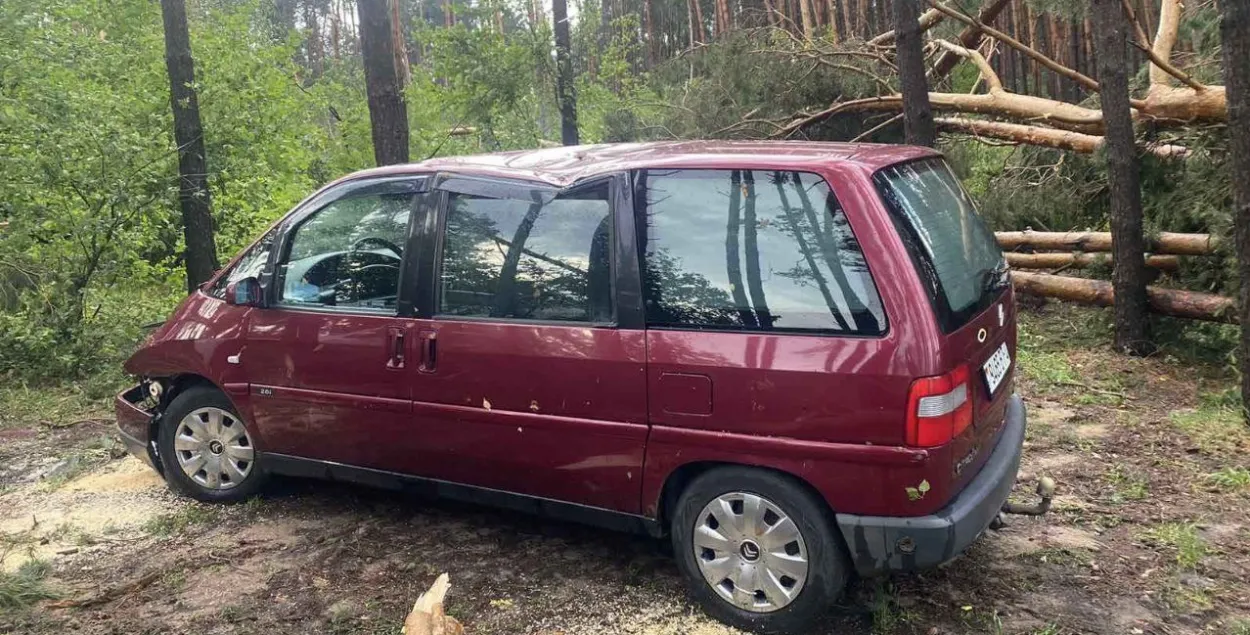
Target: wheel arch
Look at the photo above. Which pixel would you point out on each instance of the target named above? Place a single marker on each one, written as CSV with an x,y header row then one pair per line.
x,y
680,478
178,384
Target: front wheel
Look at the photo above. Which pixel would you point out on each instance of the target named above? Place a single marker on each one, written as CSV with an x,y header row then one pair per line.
x,y
758,551
206,449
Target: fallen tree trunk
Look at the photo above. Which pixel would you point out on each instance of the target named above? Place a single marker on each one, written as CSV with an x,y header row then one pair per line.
x,y
1041,136
1164,243
1172,302
1081,260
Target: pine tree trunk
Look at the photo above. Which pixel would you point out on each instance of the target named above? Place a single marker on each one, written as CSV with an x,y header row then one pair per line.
x,y
1074,42
831,10
1235,34
399,46
334,30
1132,327
698,20
388,114
805,15
193,196
565,96
648,26
315,53
1031,27
917,114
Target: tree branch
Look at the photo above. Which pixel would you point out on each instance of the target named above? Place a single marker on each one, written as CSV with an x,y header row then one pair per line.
x,y
993,82
1143,43
1165,39
927,20
1041,136
1079,78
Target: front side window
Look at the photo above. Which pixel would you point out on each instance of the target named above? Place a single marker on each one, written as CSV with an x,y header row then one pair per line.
x,y
348,254
518,259
751,250
250,265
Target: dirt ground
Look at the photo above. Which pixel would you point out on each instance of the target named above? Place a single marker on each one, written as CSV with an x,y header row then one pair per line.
x,y
1150,534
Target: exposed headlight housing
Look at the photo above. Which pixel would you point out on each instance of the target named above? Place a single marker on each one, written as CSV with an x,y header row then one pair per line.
x,y
155,390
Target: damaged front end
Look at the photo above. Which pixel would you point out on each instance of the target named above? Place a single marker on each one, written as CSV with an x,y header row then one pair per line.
x,y
137,409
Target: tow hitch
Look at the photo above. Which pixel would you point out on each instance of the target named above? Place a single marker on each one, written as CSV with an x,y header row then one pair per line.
x,y
1045,489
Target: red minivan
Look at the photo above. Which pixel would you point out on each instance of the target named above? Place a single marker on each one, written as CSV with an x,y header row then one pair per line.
x,y
795,359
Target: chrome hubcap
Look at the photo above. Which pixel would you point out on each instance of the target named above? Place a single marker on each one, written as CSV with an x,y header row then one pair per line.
x,y
213,448
750,551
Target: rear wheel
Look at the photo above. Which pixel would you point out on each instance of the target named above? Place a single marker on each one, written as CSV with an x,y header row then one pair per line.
x,y
206,449
758,551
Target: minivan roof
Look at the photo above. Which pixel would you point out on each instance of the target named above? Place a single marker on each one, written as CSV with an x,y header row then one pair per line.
x,y
566,165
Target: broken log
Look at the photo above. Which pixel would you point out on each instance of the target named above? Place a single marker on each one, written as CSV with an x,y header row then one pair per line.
x,y
427,617
1081,261
1171,302
1041,136
1164,243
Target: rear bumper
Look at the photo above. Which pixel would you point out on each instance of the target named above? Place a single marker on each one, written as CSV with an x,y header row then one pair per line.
x,y
133,424
880,544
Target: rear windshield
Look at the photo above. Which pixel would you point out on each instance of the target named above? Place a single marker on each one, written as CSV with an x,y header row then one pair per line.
x,y
955,253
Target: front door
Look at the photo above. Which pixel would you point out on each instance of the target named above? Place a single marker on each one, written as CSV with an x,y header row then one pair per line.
x,y
528,380
327,358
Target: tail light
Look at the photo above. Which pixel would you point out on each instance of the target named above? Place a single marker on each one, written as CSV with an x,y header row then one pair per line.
x,y
938,408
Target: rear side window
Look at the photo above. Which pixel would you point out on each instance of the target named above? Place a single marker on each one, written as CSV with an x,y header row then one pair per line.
x,y
954,252
516,259
753,250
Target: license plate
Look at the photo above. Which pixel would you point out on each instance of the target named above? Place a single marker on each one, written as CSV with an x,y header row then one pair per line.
x,y
996,367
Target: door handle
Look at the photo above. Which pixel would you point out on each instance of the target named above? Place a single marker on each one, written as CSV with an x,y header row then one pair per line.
x,y
396,360
429,352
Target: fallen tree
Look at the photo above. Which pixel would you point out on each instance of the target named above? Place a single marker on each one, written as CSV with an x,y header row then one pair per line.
x,y
1171,302
1035,120
1081,261
1164,243
1039,136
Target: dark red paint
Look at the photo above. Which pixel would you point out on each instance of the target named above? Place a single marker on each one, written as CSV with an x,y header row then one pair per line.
x,y
604,416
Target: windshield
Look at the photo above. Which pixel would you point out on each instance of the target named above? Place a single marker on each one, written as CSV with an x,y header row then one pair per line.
x,y
955,253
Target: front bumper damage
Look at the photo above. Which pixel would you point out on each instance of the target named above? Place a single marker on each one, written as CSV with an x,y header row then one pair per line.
x,y
134,425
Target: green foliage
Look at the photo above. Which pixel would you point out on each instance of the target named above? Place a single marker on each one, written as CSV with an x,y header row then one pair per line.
x,y
174,523
757,76
90,231
1214,427
1231,479
1181,537
24,587
1129,484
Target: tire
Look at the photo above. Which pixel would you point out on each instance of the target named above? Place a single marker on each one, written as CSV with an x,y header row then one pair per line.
x,y
227,475
790,605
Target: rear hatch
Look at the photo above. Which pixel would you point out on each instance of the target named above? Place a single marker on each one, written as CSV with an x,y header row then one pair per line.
x,y
966,279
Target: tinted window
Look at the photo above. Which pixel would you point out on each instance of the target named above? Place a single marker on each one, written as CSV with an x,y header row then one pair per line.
x,y
348,253
752,249
250,265
953,249
510,258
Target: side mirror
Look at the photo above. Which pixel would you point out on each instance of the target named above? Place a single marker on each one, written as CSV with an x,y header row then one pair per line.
x,y
245,292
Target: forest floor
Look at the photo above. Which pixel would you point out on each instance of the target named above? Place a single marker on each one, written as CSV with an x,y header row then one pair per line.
x,y
1150,532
